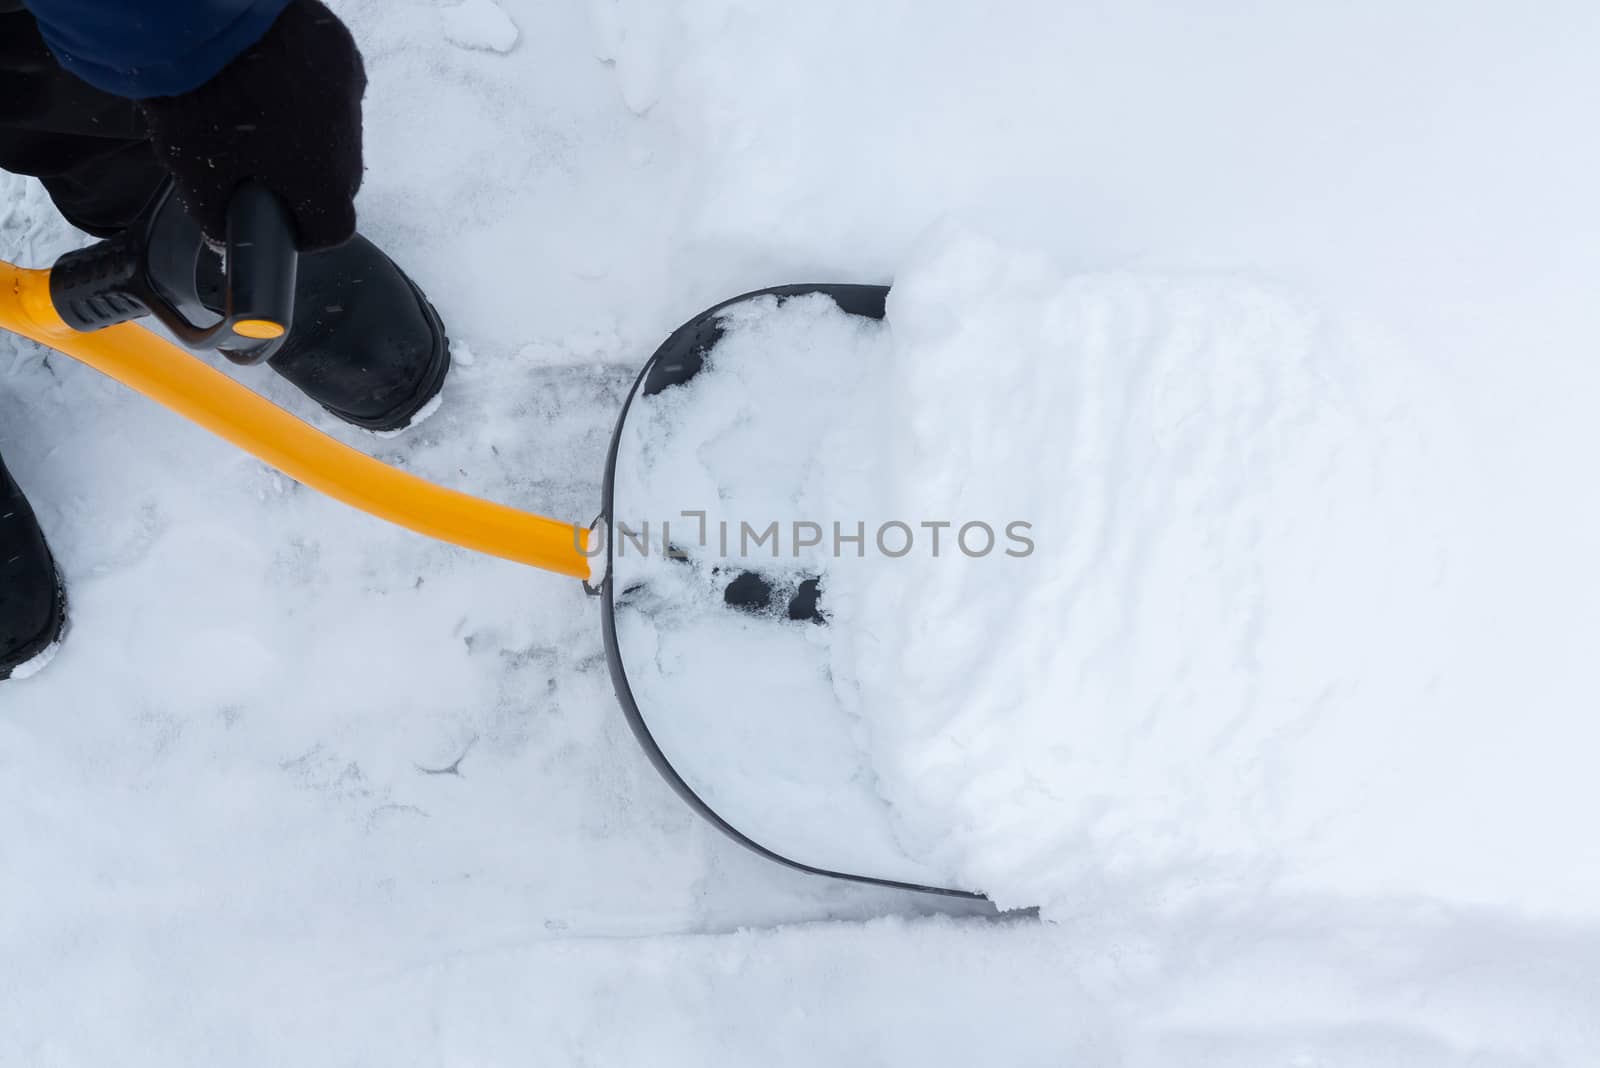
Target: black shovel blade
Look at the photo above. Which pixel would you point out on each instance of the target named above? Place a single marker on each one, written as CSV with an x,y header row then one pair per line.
x,y
758,744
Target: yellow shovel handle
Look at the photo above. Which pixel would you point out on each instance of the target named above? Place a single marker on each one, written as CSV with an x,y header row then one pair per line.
x,y
174,378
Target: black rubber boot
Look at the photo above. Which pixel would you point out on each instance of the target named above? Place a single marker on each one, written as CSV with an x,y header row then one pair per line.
x,y
365,344
33,604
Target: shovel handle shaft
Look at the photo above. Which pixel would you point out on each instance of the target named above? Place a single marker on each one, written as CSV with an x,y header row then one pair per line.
x,y
177,380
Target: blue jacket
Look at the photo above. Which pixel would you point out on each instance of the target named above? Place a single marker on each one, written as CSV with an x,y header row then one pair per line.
x,y
142,48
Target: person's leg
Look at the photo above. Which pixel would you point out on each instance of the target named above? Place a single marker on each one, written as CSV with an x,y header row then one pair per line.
x,y
86,147
365,342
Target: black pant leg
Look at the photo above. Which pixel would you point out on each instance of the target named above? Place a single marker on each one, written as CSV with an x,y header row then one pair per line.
x,y
87,147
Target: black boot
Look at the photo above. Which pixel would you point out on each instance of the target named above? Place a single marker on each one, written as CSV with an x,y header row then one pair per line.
x,y
365,344
33,604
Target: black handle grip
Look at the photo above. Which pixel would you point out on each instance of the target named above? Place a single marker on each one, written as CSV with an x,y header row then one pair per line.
x,y
153,268
101,285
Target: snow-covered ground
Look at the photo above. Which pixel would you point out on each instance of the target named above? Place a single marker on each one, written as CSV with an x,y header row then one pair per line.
x,y
304,789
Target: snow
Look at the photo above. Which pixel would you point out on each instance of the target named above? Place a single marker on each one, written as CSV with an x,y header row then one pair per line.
x,y
220,840
424,413
741,704
481,24
1192,623
1239,576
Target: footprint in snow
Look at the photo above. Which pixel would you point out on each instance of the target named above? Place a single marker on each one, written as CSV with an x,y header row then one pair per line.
x,y
481,25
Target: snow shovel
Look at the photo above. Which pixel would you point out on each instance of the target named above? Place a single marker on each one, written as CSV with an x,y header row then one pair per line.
x,y
86,306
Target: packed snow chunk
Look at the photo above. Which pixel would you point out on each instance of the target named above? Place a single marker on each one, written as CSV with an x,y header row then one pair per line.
x,y
29,668
422,415
1128,582
479,24
1229,609
710,474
